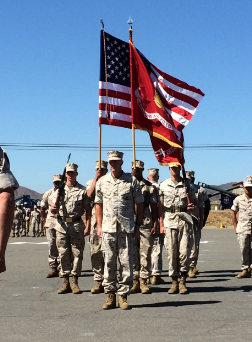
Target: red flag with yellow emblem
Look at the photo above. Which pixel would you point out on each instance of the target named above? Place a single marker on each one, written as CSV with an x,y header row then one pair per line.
x,y
147,109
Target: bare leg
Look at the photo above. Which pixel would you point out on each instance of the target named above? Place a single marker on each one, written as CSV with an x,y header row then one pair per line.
x,y
7,207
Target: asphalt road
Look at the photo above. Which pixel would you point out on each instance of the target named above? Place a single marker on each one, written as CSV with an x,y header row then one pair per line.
x,y
218,308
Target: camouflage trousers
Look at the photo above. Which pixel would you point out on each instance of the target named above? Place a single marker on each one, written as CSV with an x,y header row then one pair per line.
x,y
96,253
142,254
71,246
35,227
27,226
117,246
156,254
53,258
178,243
195,248
41,230
15,227
245,243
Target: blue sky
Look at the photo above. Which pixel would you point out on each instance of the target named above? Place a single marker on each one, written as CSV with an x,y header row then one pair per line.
x,y
49,67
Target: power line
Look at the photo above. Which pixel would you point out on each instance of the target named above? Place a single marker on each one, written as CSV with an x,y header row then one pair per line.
x,y
143,148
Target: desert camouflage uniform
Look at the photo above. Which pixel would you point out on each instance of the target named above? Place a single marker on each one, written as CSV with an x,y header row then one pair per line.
x,y
35,216
157,250
40,229
178,233
17,221
70,235
95,243
22,230
118,197
201,196
26,218
243,204
142,253
48,199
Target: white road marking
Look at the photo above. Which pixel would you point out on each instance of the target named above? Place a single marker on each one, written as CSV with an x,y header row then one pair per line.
x,y
203,241
31,243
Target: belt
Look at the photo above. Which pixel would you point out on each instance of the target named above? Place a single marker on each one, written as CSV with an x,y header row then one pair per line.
x,y
70,219
176,210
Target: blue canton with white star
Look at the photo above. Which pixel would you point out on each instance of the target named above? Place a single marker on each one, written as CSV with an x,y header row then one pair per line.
x,y
118,60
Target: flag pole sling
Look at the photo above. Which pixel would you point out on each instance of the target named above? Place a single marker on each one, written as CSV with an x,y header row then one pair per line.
x,y
130,21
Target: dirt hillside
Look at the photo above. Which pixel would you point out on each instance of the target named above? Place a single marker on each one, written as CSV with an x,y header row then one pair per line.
x,y
216,217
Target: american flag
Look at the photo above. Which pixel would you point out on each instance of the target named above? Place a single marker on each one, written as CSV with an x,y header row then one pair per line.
x,y
114,84
179,99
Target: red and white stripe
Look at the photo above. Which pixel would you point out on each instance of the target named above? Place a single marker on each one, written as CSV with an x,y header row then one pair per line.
x,y
180,99
119,101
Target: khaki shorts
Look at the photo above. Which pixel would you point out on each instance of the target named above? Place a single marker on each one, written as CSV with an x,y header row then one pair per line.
x,y
7,180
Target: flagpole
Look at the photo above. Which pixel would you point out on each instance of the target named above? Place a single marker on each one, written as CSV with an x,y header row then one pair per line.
x,y
130,22
100,129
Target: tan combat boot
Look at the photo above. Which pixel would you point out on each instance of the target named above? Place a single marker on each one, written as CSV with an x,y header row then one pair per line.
x,y
123,304
157,280
245,274
110,302
175,287
98,288
136,286
143,287
66,288
54,273
60,274
75,286
182,284
191,273
195,271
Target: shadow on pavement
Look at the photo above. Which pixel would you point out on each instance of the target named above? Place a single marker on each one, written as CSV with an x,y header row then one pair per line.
x,y
174,303
220,289
221,271
197,280
218,275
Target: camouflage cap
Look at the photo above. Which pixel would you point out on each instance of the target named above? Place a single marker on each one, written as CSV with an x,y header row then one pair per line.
x,y
139,164
104,164
153,170
190,174
57,178
35,207
18,204
71,167
115,155
248,181
25,203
